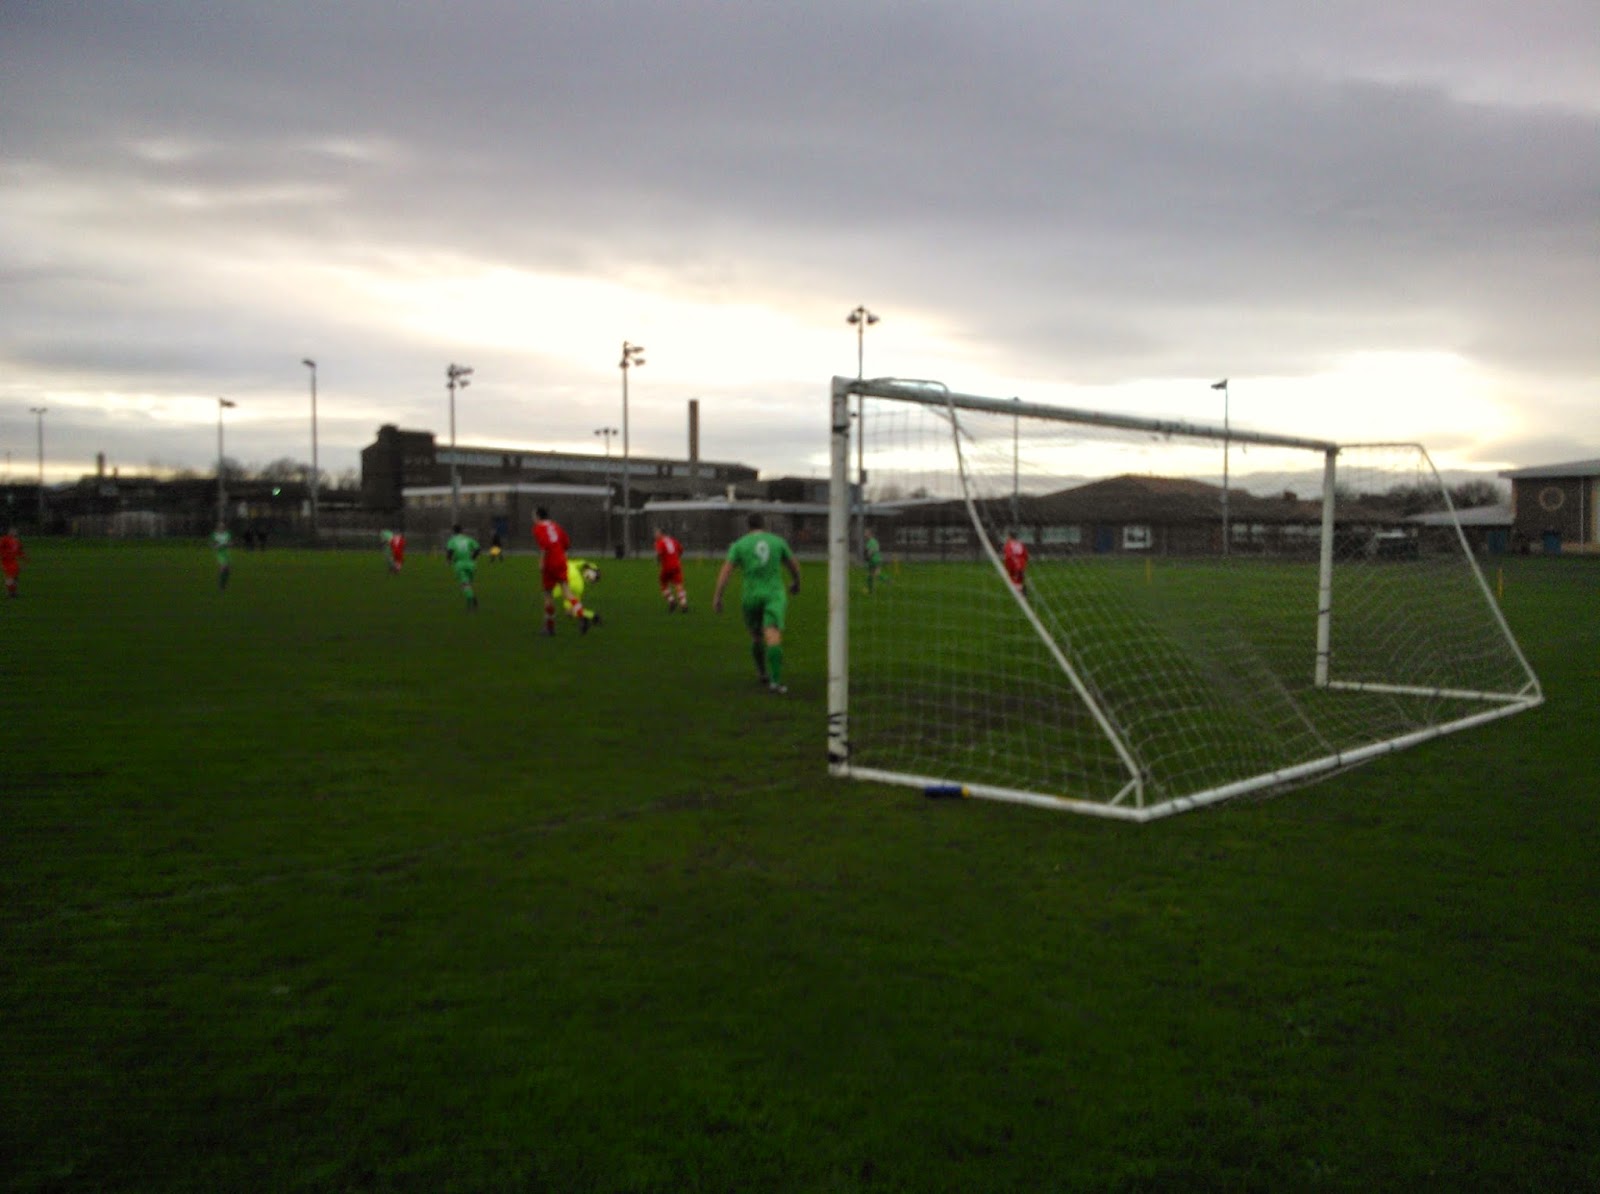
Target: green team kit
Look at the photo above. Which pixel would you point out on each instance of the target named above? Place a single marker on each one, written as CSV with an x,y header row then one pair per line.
x,y
760,557
462,552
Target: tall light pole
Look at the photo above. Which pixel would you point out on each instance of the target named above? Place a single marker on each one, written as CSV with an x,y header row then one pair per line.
x,y
1226,436
608,432
222,476
632,355
38,412
455,378
861,319
316,474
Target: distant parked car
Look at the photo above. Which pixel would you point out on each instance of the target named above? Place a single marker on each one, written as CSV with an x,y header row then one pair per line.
x,y
1392,545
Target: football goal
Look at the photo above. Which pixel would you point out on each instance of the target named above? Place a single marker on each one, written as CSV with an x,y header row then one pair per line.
x,y
1204,611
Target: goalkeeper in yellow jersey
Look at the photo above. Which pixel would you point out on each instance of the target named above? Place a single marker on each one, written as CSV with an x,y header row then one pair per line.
x,y
580,574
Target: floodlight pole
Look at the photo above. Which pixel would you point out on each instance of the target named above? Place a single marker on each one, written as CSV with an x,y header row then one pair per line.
x,y
861,319
455,378
315,472
632,355
1223,386
608,432
38,412
222,475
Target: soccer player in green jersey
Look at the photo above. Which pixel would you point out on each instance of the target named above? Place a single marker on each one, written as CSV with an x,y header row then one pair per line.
x,y
874,556
221,543
462,551
758,555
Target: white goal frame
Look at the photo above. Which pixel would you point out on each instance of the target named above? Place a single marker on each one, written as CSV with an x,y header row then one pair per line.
x,y
1133,802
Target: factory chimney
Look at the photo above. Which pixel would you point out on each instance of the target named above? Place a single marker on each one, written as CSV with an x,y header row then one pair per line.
x,y
694,446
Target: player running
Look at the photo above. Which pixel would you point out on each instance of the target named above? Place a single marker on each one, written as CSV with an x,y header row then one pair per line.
x,y
461,550
669,554
395,542
11,557
579,574
553,543
1015,557
222,544
758,554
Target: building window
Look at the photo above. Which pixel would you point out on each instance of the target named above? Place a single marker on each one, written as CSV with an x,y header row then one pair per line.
x,y
1136,538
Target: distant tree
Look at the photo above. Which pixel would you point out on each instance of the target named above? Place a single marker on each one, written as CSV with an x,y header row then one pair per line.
x,y
285,468
1406,500
1413,499
349,478
1480,492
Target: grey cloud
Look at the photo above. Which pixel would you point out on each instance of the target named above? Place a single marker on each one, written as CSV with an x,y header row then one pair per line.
x,y
1094,192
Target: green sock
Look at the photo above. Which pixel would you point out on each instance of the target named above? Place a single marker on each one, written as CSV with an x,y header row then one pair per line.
x,y
758,652
775,664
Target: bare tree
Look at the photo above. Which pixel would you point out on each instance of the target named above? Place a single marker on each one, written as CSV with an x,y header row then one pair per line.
x,y
1482,492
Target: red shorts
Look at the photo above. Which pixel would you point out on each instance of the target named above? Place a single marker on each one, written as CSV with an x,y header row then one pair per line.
x,y
552,574
672,574
10,568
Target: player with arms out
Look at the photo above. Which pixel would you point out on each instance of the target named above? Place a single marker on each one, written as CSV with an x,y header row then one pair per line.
x,y
553,543
11,557
669,554
760,556
1015,557
461,551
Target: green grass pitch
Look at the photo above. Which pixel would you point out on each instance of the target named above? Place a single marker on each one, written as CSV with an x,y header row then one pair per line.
x,y
327,884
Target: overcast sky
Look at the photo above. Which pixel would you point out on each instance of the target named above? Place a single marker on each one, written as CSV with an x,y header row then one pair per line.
x,y
1379,220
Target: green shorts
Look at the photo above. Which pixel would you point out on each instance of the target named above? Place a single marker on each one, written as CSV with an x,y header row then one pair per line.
x,y
765,610
465,571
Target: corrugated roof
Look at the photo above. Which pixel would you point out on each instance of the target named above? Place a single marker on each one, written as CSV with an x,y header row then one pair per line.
x,y
1477,516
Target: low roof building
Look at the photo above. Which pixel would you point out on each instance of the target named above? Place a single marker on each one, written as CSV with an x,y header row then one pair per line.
x,y
1556,507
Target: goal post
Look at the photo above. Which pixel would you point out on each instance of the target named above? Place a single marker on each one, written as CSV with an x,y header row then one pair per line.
x,y
1177,640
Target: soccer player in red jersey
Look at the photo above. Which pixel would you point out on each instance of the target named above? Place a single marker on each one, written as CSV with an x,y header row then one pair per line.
x,y
11,557
669,554
397,551
553,542
1015,558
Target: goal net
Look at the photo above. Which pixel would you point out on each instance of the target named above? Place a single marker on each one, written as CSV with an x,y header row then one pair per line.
x,y
1205,612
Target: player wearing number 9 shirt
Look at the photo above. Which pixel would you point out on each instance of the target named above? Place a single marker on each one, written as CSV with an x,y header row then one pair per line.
x,y
760,557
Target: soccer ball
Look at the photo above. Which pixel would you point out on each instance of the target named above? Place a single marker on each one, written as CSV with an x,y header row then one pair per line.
x,y
591,574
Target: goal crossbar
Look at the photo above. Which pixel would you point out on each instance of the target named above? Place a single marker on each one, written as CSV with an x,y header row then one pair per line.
x,y
932,394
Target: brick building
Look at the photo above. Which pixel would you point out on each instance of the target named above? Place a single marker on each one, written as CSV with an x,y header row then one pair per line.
x,y
1556,507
